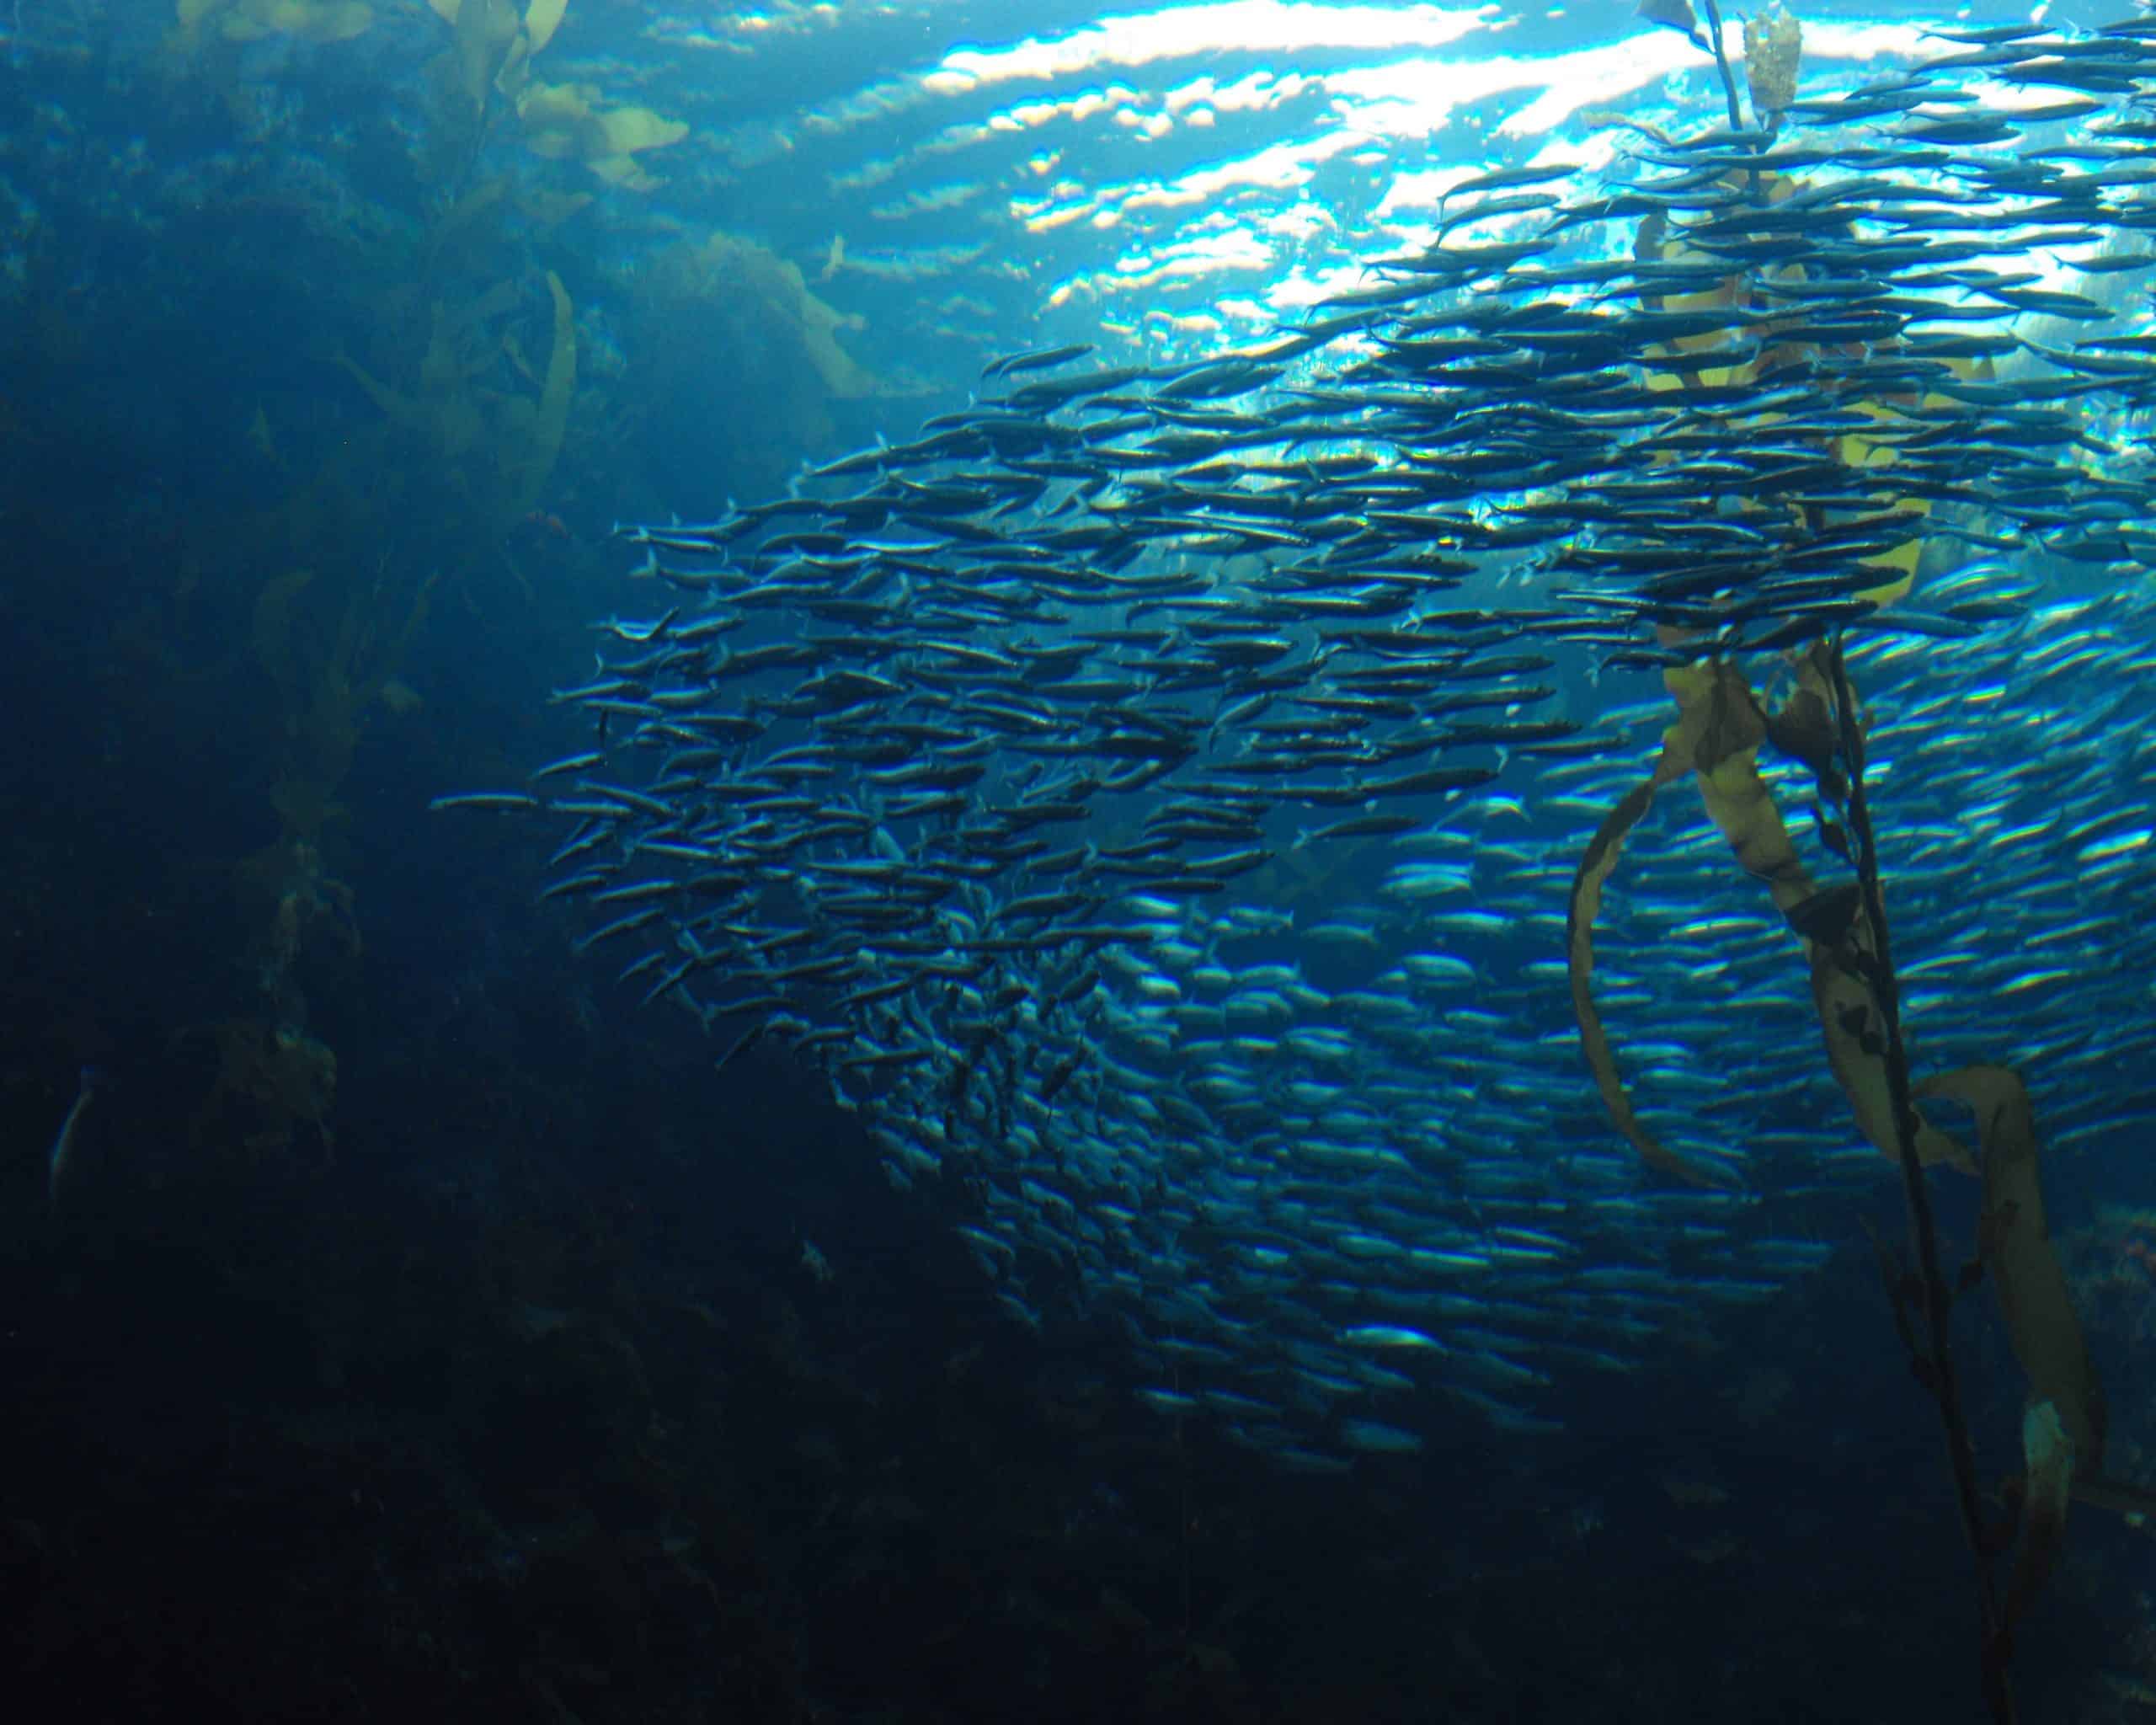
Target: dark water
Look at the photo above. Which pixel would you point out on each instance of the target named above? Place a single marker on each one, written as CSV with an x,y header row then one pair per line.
x,y
421,1332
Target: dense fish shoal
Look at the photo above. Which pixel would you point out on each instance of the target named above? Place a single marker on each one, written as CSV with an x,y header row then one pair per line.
x,y
1149,793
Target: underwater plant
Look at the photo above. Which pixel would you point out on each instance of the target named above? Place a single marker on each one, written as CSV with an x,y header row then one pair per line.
x,y
1720,728
490,54
493,44
251,20
329,676
332,664
495,447
726,318
570,122
273,1083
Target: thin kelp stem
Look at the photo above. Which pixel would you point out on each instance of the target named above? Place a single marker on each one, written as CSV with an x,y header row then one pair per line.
x,y
1721,64
1936,1363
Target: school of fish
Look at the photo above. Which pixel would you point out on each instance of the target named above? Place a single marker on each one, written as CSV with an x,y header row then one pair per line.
x,y
1151,792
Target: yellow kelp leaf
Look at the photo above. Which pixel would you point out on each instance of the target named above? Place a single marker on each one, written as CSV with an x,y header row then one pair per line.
x,y
1849,1017
741,268
309,20
627,131
1717,736
555,116
443,413
1727,727
622,171
2015,1240
840,373
1732,293
1730,730
484,31
545,207
1898,565
514,71
1596,866
2135,1503
1754,350
457,428
1853,449
551,423
399,696
1729,296
541,18
2047,1455
564,122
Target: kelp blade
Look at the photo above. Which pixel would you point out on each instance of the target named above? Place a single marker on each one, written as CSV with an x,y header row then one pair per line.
x,y
2017,1246
1596,865
1719,730
1721,713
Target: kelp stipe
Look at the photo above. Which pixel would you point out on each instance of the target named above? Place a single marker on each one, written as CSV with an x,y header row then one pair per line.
x,y
1720,729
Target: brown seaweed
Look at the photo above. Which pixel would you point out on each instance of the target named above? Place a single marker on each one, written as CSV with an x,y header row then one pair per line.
x,y
1720,730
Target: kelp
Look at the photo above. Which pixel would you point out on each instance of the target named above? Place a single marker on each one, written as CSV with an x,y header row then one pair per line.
x,y
570,122
763,287
2049,1455
492,44
1720,728
2015,1241
271,1081
496,447
1595,867
539,436
1756,347
251,20
328,676
2062,1432
724,318
1774,44
331,662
